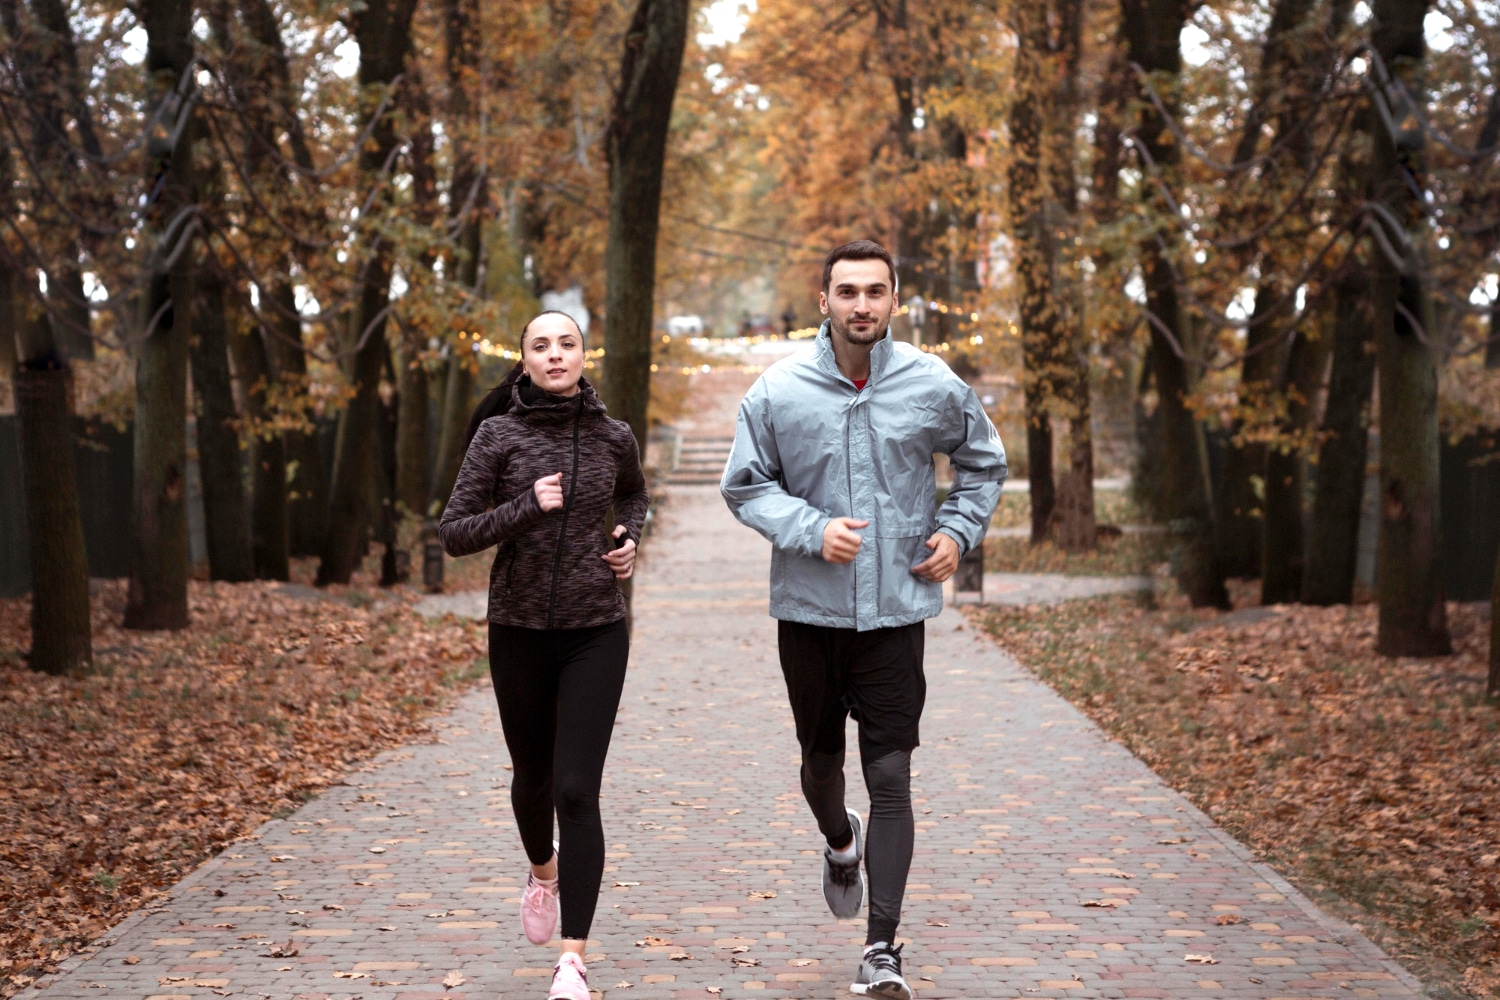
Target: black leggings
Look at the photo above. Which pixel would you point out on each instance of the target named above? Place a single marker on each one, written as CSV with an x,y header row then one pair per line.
x,y
559,690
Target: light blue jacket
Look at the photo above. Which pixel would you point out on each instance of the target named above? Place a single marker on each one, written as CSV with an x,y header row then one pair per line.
x,y
809,447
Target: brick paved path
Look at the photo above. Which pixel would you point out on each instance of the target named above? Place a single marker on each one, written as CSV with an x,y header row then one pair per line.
x,y
1050,862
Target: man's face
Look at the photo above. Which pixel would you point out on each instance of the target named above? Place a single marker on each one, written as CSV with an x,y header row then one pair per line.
x,y
859,300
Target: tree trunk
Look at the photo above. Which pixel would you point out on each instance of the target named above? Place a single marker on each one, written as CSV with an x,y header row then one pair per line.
x,y
453,422
413,459
1238,510
1333,542
61,634
1285,543
461,23
637,144
1035,250
289,511
224,515
1492,348
72,320
306,476
61,631
268,505
157,596
1413,617
1492,688
1074,523
1151,29
383,29
412,467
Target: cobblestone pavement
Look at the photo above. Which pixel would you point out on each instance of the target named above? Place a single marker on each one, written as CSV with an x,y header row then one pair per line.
x,y
1050,862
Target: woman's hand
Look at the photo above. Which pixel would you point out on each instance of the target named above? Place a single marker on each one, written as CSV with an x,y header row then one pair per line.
x,y
549,493
621,560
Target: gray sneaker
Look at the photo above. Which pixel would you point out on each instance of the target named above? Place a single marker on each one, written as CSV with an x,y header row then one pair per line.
x,y
844,884
880,974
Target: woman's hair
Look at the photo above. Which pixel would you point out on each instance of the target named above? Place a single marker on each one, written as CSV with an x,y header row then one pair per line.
x,y
497,401
551,312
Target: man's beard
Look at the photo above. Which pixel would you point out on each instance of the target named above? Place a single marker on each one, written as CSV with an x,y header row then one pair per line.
x,y
877,331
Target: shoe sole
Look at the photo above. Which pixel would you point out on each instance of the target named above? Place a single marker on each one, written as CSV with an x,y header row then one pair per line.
x,y
885,991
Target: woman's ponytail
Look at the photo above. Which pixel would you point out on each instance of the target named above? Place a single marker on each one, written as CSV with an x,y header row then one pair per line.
x,y
496,402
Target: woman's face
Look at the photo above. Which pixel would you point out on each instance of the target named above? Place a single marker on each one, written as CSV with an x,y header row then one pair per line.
x,y
552,352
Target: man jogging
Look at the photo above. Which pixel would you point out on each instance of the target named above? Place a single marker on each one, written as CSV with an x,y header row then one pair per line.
x,y
832,463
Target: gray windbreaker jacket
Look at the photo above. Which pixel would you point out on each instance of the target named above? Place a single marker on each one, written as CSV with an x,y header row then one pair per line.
x,y
810,447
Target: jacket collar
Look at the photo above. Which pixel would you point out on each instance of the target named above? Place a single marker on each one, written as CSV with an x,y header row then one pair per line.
x,y
544,409
880,354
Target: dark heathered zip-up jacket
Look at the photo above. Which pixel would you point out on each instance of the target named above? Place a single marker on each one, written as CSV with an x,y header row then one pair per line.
x,y
548,572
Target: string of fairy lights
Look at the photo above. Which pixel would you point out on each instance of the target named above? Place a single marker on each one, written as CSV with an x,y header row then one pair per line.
x,y
484,345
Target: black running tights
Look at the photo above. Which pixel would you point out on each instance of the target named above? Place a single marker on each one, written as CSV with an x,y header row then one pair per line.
x,y
558,691
891,835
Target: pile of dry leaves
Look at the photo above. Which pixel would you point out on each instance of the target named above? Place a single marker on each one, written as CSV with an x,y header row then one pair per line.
x,y
119,784
1373,782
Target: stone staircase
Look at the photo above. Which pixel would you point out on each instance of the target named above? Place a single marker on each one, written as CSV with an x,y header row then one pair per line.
x,y
700,461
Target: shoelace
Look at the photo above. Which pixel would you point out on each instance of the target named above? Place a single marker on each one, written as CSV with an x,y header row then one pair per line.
x,y
845,873
886,959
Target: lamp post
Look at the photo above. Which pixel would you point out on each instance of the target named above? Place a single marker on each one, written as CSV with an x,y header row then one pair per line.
x,y
916,308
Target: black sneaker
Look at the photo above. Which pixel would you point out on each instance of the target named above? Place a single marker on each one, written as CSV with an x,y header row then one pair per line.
x,y
880,974
844,883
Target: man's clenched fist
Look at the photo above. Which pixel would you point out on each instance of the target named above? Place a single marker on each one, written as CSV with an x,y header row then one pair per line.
x,y
840,543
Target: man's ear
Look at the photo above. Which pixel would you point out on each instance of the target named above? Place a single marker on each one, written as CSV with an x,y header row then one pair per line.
x,y
823,303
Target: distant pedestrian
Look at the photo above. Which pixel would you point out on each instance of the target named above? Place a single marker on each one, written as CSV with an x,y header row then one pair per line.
x,y
833,450
543,467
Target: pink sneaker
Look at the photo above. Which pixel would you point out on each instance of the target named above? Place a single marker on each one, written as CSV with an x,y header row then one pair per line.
x,y
539,909
570,980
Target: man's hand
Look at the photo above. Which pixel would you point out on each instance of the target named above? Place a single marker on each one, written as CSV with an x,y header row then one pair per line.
x,y
942,563
549,493
840,543
621,560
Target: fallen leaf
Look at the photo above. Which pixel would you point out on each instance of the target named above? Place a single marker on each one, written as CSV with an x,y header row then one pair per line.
x,y
1225,919
351,975
679,956
332,906
623,986
625,885
453,979
763,894
1103,902
132,960
1201,959
652,941
377,850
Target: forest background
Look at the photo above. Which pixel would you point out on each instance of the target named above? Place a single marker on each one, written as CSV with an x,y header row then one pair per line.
x,y
1262,235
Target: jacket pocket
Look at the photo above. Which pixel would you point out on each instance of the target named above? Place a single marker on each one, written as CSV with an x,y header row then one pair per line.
x,y
901,591
510,566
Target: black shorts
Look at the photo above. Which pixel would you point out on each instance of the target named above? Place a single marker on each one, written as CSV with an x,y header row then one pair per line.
x,y
874,676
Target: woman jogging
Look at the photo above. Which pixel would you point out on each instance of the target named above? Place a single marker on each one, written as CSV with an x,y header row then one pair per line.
x,y
543,468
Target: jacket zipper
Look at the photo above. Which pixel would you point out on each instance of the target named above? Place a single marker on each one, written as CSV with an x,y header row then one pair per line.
x,y
562,530
849,479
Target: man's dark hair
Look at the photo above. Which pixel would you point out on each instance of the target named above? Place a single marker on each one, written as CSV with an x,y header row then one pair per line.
x,y
858,250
